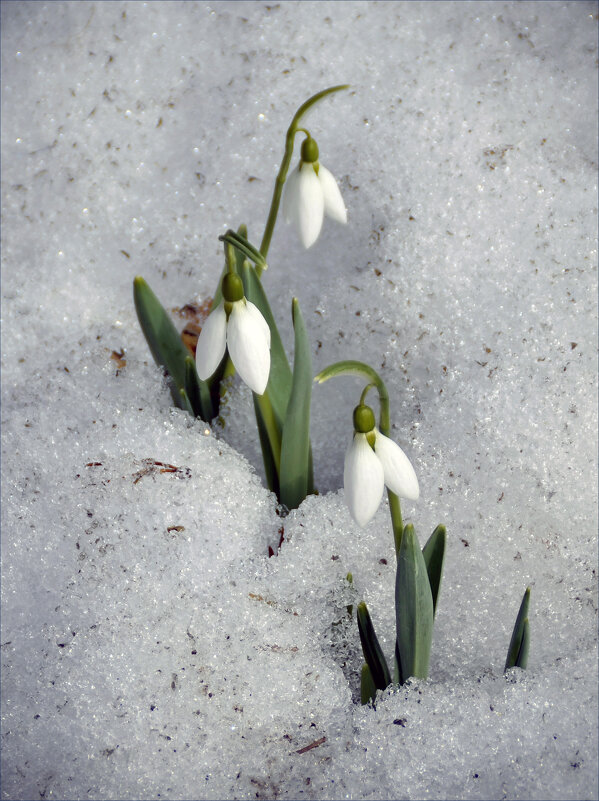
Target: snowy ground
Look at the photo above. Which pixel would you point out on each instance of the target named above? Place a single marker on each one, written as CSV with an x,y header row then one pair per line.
x,y
150,648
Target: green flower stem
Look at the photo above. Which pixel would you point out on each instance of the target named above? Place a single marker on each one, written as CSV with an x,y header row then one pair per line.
x,y
365,392
230,259
284,168
394,505
272,429
228,371
363,370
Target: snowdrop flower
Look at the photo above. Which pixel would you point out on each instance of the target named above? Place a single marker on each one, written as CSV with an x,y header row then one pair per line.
x,y
236,324
371,462
311,191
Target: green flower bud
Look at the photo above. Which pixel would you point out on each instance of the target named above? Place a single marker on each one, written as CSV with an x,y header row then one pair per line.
x,y
363,419
232,288
309,150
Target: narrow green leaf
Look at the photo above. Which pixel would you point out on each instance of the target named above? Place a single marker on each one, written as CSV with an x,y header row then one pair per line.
x,y
295,441
170,353
367,686
398,677
281,377
279,381
198,392
270,467
163,338
311,489
517,655
192,387
185,402
373,654
217,391
522,660
413,608
434,555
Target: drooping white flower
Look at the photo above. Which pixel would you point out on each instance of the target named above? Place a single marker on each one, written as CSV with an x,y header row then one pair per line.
x,y
363,479
247,336
368,469
248,340
311,193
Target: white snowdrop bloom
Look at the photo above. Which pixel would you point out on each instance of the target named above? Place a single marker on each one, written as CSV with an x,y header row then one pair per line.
x,y
363,479
368,469
311,192
248,340
247,336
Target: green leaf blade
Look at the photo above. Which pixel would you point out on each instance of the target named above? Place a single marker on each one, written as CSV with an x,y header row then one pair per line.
x,y
295,442
185,402
161,335
413,608
367,686
434,556
373,654
522,659
198,392
268,458
398,676
169,352
517,655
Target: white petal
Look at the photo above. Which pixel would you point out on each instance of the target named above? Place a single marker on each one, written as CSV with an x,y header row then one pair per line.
x,y
311,206
211,343
290,195
334,207
399,473
363,479
248,347
304,203
255,312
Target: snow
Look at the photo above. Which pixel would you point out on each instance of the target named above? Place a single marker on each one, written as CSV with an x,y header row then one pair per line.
x,y
150,648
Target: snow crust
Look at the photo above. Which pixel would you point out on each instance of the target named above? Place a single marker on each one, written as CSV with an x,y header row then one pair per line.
x,y
150,648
